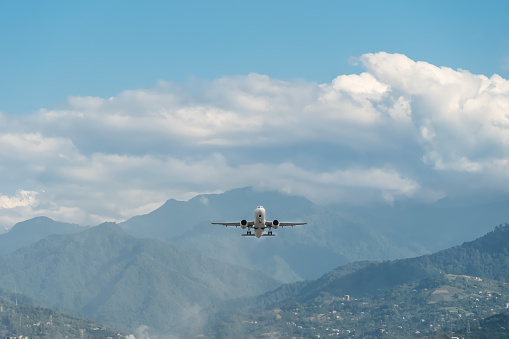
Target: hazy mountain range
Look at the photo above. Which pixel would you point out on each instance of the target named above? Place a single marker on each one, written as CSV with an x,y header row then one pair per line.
x,y
486,257
335,235
430,294
172,282
118,279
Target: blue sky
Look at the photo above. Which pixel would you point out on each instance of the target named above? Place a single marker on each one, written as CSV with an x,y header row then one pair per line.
x,y
99,48
108,108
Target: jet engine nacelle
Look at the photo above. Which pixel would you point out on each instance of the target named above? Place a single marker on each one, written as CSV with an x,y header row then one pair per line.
x,y
275,224
243,224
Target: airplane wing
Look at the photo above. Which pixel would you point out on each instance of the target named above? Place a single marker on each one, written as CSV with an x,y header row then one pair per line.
x,y
236,224
283,224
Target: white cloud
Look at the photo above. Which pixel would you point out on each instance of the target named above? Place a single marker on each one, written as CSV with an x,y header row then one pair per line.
x,y
463,117
33,145
22,198
397,131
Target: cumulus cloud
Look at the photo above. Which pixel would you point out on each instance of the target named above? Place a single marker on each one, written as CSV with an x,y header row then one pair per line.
x,y
22,198
463,117
399,130
16,207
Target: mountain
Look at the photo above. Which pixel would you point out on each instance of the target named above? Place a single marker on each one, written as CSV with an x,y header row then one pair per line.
x,y
447,222
121,280
30,231
335,235
331,238
175,218
485,257
437,292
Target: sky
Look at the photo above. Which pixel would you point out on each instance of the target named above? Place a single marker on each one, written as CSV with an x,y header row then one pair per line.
x,y
109,108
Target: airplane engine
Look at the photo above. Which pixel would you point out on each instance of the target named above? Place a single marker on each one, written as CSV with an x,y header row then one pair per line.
x,y
275,224
243,224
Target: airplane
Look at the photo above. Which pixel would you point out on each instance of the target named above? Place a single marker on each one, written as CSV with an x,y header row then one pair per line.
x,y
259,224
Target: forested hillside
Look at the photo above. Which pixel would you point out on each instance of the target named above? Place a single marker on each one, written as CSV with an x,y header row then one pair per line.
x,y
118,279
428,295
23,316
486,257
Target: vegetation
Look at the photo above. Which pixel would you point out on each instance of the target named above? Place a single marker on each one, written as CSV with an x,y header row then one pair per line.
x,y
433,295
118,279
494,327
439,304
19,315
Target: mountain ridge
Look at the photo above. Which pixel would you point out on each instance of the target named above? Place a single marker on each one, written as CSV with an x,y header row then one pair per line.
x,y
187,225
334,235
116,278
32,230
483,257
402,297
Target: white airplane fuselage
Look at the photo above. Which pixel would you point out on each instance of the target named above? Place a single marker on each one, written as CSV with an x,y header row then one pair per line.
x,y
259,221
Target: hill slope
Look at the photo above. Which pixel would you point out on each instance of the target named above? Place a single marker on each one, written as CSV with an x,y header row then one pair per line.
x,y
23,316
118,279
439,304
494,327
438,293
485,257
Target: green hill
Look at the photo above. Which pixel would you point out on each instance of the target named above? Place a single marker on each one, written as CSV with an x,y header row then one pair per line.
x,y
486,257
494,327
121,280
427,295
436,306
22,316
